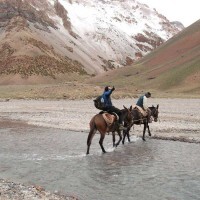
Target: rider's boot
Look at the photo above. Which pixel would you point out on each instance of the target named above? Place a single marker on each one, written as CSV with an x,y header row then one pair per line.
x,y
122,128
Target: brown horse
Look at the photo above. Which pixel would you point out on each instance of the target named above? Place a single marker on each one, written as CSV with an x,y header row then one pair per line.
x,y
98,123
138,121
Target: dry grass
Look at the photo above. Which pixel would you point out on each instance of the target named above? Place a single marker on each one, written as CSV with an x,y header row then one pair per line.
x,y
75,90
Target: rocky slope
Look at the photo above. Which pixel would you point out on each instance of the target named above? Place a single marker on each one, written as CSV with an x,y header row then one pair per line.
x,y
173,68
53,37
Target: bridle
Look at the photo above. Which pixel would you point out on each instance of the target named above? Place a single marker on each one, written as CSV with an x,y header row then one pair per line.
x,y
129,119
154,114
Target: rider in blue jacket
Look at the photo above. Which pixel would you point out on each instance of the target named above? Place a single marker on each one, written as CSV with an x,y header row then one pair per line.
x,y
109,107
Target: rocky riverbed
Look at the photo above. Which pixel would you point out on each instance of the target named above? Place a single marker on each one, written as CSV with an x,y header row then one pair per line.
x,y
179,119
16,191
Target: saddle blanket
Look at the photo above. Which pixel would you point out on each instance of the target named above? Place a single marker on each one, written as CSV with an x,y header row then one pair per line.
x,y
109,118
143,112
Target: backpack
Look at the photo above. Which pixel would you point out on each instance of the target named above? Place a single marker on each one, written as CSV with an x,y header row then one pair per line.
x,y
99,102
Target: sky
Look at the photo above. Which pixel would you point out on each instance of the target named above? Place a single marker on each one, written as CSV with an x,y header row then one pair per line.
x,y
185,11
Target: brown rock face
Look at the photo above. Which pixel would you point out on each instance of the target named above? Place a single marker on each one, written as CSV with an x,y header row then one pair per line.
x,y
41,65
62,13
75,35
129,61
14,9
23,50
150,38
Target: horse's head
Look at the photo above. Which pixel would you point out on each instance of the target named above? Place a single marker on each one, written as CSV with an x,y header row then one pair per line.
x,y
128,119
154,112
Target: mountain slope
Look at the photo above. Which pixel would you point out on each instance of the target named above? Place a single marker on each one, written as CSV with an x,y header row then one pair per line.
x,y
53,37
173,67
26,46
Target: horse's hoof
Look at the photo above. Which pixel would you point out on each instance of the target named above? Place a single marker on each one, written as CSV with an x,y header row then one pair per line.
x,y
143,139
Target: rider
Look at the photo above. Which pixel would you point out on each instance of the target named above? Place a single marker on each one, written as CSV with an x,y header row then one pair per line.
x,y
109,107
142,102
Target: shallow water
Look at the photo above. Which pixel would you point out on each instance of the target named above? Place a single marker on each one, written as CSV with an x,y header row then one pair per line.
x,y
56,160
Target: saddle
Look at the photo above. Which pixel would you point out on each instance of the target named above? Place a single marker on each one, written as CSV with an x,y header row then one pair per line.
x,y
110,118
140,110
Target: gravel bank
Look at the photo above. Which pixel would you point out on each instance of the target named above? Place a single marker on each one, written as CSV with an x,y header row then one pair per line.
x,y
14,191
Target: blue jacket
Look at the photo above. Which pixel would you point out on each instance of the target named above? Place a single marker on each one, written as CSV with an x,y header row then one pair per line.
x,y
107,99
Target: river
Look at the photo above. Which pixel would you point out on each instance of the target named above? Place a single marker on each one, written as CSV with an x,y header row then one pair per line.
x,y
56,159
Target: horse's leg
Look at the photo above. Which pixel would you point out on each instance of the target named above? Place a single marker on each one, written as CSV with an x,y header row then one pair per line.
x,y
148,129
124,133
101,141
124,136
89,139
120,138
113,136
128,134
144,130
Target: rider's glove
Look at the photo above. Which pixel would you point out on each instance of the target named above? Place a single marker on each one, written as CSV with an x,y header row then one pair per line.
x,y
113,88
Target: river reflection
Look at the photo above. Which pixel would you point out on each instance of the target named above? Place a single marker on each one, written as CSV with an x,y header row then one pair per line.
x,y
56,160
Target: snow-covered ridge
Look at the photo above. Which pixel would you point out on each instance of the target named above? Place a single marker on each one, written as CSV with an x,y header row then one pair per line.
x,y
99,34
109,27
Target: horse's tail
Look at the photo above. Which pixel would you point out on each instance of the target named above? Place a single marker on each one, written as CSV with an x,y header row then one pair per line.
x,y
92,130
